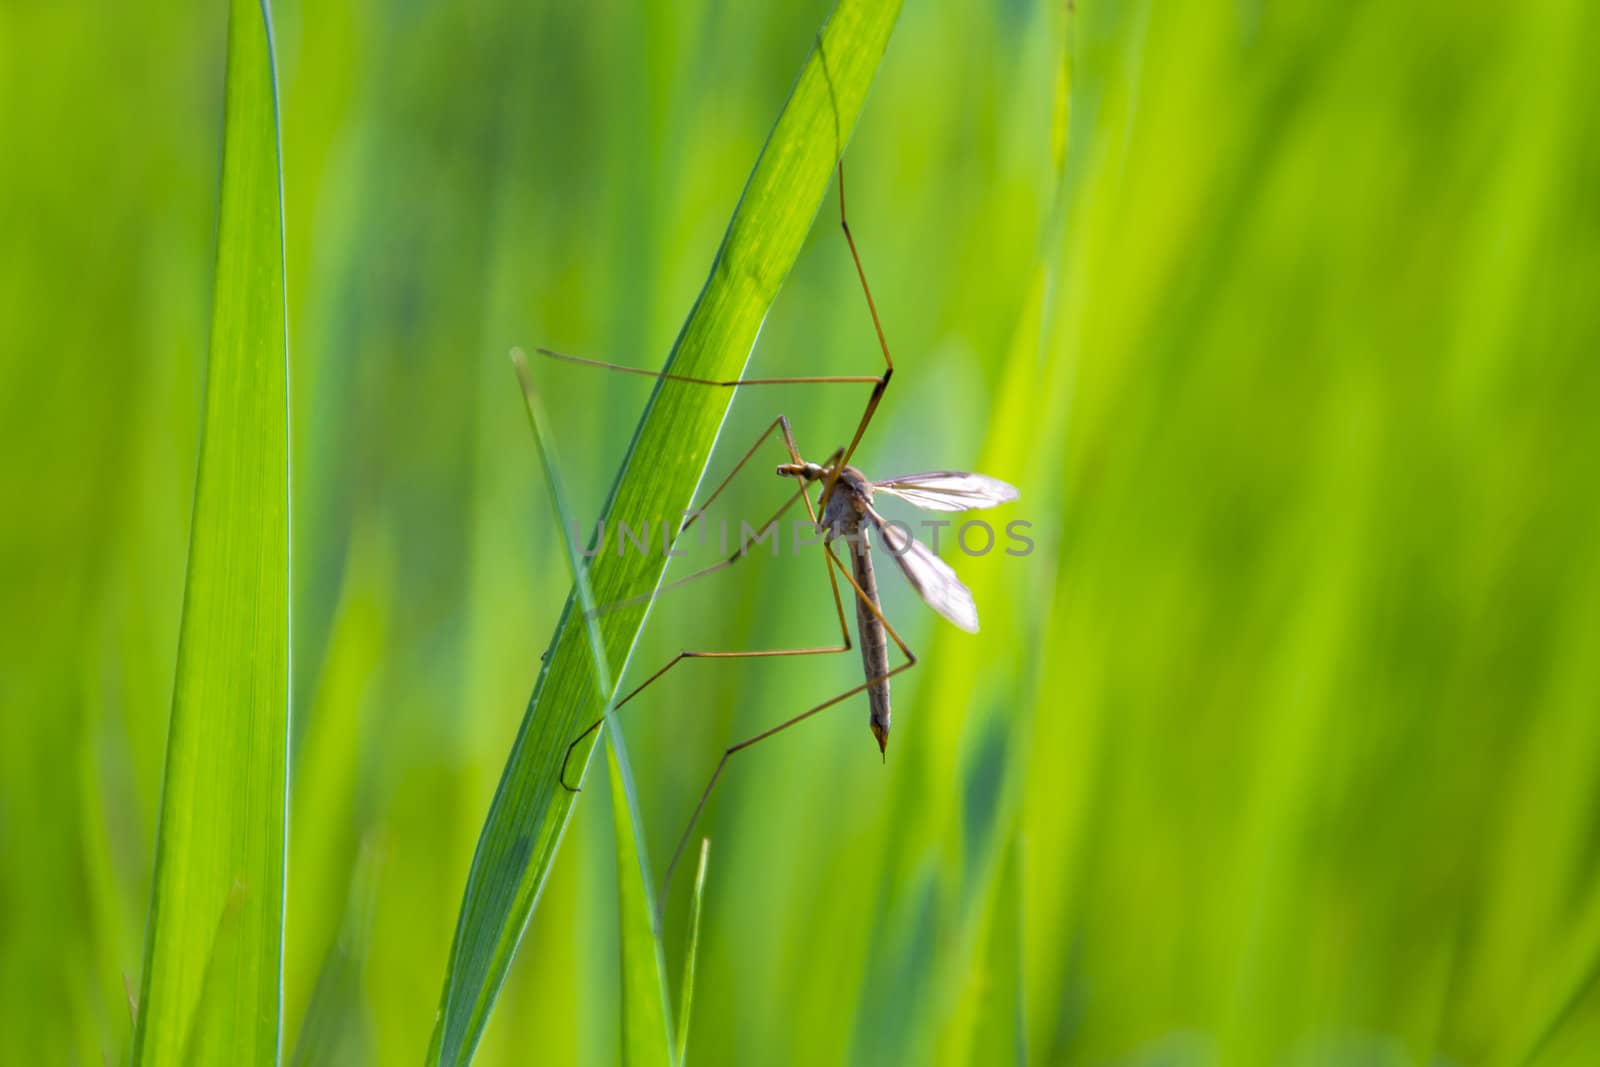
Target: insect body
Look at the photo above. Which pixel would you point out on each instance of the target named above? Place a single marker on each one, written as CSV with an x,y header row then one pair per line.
x,y
848,515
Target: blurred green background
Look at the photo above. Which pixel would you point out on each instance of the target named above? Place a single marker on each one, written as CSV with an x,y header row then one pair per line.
x,y
1282,747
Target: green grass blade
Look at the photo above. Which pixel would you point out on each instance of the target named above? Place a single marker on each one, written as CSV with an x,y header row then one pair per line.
x,y
692,952
665,463
645,1036
646,1033
214,943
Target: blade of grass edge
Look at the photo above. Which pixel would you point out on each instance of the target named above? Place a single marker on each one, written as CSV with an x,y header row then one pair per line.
x,y
646,1033
213,965
646,1012
665,463
686,994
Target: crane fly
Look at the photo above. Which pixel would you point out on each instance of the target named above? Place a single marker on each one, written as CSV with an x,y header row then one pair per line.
x,y
848,514
844,511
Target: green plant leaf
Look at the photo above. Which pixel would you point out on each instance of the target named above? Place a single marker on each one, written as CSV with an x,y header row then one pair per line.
x,y
645,1036
664,465
692,952
214,943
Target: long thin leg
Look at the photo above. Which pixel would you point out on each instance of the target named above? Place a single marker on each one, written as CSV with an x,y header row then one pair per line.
x,y
729,383
879,382
844,645
844,224
780,423
745,546
883,343
731,750
705,572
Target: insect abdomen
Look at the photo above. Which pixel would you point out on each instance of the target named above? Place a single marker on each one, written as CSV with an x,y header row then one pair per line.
x,y
874,642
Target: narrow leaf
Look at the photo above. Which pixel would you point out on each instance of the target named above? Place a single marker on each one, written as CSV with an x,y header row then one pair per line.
x,y
645,1037
686,996
214,942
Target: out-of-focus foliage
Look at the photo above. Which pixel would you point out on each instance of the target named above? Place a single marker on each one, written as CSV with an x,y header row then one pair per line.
x,y
1281,746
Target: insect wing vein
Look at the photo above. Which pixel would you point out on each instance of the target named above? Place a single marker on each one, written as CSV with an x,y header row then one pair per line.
x,y
929,575
948,490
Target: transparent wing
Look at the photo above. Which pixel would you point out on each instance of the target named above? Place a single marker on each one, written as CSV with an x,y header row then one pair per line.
x,y
948,490
929,575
